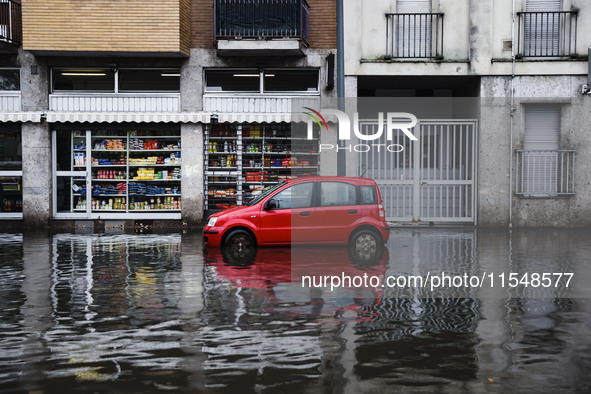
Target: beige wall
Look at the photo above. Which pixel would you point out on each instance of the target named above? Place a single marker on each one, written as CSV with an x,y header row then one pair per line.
x,y
106,26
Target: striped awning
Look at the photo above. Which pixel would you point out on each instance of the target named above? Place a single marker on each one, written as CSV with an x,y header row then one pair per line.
x,y
246,117
150,117
132,117
20,117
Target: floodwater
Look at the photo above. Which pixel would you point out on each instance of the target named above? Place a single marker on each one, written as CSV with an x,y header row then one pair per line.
x,y
157,313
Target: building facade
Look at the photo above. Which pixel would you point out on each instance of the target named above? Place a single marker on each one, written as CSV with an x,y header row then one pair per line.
x,y
499,90
141,111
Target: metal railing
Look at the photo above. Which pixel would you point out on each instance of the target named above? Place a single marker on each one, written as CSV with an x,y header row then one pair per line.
x,y
262,19
547,34
11,22
544,173
414,35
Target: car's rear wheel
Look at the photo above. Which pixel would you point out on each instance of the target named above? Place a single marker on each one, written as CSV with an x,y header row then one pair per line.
x,y
366,244
240,242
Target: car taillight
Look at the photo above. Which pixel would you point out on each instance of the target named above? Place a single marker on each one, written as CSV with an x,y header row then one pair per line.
x,y
381,212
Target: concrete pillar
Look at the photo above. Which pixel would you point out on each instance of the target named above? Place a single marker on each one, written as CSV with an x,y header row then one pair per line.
x,y
192,144
481,34
36,143
351,109
192,174
37,186
494,152
328,156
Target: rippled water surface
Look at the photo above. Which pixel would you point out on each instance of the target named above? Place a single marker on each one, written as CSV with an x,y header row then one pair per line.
x,y
158,313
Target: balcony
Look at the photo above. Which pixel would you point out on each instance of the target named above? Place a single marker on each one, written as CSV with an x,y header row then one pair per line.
x,y
547,34
545,173
11,32
414,36
261,27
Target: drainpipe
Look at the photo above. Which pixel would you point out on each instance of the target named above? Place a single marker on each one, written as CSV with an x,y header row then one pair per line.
x,y
512,109
587,88
341,154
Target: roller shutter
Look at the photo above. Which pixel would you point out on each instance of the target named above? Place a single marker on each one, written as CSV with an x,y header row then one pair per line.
x,y
542,31
414,38
542,128
406,6
543,5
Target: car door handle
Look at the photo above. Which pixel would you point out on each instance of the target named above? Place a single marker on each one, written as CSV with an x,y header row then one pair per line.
x,y
305,213
352,211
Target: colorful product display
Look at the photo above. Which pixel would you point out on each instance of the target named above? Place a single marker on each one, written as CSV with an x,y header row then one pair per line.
x,y
145,166
240,161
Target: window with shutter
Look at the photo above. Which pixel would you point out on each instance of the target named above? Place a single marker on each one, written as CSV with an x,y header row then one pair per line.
x,y
542,28
414,31
540,158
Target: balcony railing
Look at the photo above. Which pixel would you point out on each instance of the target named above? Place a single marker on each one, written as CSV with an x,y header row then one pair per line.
x,y
262,19
545,173
547,34
415,35
11,30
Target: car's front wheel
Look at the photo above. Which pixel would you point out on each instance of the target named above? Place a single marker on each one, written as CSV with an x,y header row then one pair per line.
x,y
366,244
240,242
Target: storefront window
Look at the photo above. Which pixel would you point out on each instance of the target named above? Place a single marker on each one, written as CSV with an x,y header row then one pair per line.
x,y
242,160
118,172
11,191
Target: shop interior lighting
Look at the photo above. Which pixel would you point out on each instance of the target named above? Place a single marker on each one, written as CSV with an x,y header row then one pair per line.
x,y
85,74
252,75
170,75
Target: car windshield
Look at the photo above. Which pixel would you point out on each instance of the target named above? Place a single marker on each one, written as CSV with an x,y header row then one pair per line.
x,y
265,193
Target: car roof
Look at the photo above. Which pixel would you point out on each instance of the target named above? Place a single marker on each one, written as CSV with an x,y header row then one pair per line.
x,y
348,179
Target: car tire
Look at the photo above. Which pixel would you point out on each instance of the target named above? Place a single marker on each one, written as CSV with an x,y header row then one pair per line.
x,y
240,242
366,245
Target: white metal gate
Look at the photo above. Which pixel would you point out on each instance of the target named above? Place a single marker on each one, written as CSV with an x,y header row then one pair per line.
x,y
430,180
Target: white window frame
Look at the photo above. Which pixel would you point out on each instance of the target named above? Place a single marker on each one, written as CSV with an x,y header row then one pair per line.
x,y
87,173
115,82
14,174
261,78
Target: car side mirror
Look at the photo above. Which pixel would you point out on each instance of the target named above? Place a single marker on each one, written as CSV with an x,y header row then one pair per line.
x,y
270,205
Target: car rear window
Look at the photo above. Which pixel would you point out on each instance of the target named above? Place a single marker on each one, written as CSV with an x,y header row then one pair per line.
x,y
368,195
337,193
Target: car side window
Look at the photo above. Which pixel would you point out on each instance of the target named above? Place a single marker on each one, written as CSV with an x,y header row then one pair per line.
x,y
296,196
368,195
336,194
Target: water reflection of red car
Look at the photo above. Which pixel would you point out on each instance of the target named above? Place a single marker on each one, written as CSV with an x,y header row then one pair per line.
x,y
282,270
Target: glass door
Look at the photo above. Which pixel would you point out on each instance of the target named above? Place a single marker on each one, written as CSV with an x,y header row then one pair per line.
x,y
71,170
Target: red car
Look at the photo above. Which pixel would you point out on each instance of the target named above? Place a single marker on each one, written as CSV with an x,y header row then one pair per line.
x,y
308,210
